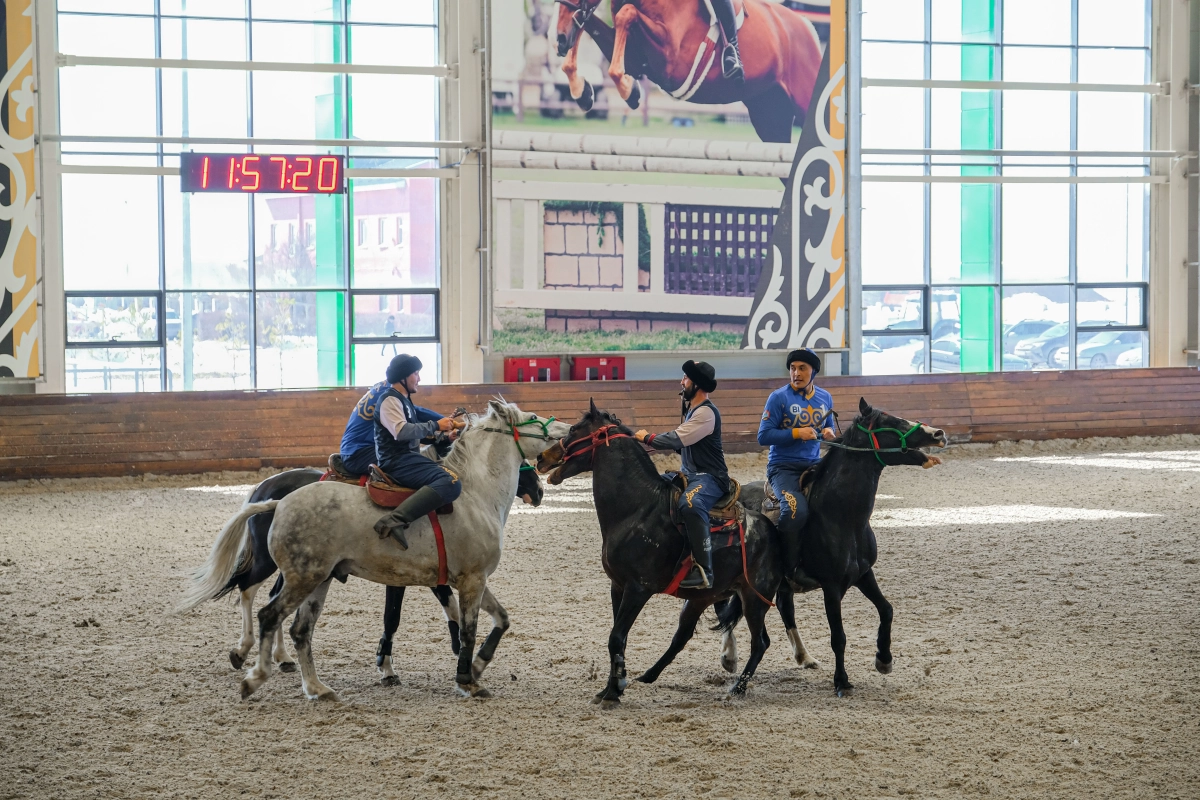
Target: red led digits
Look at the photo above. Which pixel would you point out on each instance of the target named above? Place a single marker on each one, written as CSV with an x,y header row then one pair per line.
x,y
232,164
282,170
247,169
204,174
296,187
332,163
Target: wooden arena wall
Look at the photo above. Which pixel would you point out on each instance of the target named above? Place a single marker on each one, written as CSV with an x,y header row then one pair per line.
x,y
43,436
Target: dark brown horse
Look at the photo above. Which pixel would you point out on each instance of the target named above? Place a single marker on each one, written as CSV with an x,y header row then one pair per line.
x,y
669,42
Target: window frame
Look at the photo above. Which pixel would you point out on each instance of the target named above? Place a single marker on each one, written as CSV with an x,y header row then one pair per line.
x,y
160,339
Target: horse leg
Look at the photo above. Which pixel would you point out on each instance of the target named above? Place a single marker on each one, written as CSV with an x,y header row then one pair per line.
x,y
302,631
837,640
688,617
785,601
470,595
772,114
270,617
633,600
445,597
280,653
393,599
616,67
237,656
756,614
499,625
581,91
729,657
883,644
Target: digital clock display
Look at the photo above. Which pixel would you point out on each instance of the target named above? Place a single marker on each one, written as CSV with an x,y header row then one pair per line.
x,y
262,174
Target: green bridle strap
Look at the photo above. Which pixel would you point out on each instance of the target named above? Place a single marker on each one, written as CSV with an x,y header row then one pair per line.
x,y
516,434
876,449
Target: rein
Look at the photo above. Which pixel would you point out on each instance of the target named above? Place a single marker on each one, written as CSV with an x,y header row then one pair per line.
x,y
596,437
875,448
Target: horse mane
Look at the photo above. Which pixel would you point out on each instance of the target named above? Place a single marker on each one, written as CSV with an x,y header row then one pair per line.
x,y
823,465
456,460
642,456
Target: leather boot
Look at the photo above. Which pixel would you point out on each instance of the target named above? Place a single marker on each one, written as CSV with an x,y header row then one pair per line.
x,y
731,61
701,575
421,502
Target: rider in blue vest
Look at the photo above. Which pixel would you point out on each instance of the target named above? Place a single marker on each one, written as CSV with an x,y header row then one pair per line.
x,y
399,427
357,452
698,440
796,418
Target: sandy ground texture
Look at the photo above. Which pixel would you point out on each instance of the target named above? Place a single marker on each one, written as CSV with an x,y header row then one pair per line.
x,y
1045,643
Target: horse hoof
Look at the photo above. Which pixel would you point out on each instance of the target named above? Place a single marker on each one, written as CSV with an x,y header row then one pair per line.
x,y
586,100
610,704
729,664
327,697
287,666
884,667
810,663
635,96
738,692
471,690
247,689
390,680
646,678
481,692
237,659
844,690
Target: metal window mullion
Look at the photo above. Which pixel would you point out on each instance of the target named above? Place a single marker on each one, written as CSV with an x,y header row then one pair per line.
x,y
252,305
343,14
1073,196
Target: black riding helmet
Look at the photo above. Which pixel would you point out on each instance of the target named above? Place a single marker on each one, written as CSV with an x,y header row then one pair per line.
x,y
805,355
401,367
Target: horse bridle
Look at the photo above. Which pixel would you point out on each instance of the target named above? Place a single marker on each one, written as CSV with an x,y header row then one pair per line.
x,y
875,448
583,12
516,434
602,435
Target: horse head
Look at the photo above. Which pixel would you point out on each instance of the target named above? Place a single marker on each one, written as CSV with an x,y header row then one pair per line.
x,y
573,455
531,433
572,16
893,440
529,485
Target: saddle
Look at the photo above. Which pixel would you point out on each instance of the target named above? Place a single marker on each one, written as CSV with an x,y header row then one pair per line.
x,y
727,508
770,506
386,493
337,472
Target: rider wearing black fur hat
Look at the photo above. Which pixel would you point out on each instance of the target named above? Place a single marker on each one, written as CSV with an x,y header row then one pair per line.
x,y
399,428
698,440
795,420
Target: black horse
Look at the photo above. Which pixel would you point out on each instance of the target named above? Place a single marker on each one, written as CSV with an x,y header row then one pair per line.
x,y
261,566
643,548
837,545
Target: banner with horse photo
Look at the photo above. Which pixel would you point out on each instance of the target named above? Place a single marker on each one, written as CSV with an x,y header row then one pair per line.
x,y
667,175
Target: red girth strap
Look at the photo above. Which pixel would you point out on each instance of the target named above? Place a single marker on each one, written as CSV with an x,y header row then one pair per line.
x,y
443,571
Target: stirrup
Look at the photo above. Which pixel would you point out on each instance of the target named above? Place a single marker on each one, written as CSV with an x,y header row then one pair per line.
x,y
701,582
390,526
731,64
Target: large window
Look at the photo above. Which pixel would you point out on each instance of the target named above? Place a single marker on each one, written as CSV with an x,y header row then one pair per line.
x,y
173,291
1004,227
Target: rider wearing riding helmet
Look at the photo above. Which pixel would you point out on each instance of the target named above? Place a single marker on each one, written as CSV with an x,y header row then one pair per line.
x,y
795,420
399,428
698,440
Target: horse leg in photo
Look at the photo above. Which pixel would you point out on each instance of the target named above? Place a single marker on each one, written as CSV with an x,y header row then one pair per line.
x,y
302,631
771,114
280,653
616,68
237,656
499,625
883,644
270,617
688,617
581,91
756,614
445,596
837,640
785,601
470,595
393,599
633,600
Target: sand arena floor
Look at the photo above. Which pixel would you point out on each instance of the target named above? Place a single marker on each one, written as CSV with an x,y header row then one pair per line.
x,y
1046,646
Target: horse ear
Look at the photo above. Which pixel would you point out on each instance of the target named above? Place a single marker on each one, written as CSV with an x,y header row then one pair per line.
x,y
496,406
864,407
593,410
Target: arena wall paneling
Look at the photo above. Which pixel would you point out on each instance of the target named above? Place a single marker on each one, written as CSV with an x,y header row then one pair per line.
x,y
49,436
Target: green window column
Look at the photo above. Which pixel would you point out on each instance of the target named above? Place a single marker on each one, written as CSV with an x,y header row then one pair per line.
x,y
330,230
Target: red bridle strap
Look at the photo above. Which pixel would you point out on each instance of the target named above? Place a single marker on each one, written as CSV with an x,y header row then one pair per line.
x,y
601,435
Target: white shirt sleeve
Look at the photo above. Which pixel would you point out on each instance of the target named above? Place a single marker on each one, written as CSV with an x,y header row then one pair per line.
x,y
391,414
700,424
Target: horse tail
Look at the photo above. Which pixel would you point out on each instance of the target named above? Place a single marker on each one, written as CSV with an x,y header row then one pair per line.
x,y
225,559
728,614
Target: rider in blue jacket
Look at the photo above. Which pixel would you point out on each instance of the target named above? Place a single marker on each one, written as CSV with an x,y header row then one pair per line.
x,y
795,420
357,452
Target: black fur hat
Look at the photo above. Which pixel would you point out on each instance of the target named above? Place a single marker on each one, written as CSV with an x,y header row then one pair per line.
x,y
702,374
401,367
805,355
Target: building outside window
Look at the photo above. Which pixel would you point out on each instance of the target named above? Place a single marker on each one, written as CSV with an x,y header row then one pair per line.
x,y
173,291
1004,228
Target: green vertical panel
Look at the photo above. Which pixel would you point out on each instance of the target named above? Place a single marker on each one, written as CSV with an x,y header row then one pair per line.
x,y
977,304
330,227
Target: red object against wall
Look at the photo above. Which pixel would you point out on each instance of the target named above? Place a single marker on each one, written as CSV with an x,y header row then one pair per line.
x,y
531,370
598,368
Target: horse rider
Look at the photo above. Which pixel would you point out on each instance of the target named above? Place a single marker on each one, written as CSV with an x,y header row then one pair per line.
x,y
698,440
795,420
357,451
400,426
731,61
